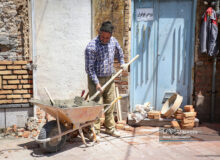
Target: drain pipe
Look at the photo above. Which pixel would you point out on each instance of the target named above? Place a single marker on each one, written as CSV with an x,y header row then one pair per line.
x,y
214,72
34,57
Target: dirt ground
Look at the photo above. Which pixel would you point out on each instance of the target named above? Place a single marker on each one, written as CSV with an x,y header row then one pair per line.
x,y
141,144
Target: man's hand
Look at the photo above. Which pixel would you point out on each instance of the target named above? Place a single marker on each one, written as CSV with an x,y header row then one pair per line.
x,y
99,87
124,67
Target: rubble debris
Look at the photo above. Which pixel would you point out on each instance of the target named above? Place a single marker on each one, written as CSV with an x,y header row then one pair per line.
x,y
141,112
32,123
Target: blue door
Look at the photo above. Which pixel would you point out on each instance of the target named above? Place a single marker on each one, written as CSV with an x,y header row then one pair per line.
x,y
162,34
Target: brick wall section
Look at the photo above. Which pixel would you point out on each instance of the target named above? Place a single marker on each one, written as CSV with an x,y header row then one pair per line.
x,y
15,82
118,13
203,76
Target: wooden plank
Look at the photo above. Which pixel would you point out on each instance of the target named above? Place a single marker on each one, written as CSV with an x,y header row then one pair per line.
x,y
155,122
118,105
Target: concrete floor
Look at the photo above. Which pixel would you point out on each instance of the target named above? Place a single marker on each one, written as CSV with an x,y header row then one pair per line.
x,y
141,144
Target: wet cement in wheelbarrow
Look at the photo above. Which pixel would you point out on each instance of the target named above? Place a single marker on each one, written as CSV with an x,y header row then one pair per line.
x,y
69,103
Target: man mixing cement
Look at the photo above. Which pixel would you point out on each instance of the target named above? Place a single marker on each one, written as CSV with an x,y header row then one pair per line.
x,y
99,61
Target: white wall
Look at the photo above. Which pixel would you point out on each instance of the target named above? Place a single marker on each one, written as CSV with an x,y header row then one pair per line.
x,y
62,30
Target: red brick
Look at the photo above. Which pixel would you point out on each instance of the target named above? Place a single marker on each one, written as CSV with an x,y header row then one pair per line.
x,y
5,62
5,91
20,91
24,81
20,101
20,62
13,96
14,67
26,134
5,101
26,96
20,72
10,86
27,86
2,67
3,96
10,77
13,82
5,72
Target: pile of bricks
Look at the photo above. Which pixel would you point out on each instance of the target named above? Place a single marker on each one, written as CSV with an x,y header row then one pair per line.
x,y
15,82
32,128
187,118
179,114
13,131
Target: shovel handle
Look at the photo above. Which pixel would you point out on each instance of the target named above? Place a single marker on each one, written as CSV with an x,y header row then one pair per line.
x,y
113,77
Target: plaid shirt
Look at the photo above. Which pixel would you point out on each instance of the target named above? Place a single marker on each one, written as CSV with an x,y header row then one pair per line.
x,y
99,58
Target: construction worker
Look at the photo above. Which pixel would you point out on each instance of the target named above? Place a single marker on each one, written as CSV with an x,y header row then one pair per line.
x,y
99,61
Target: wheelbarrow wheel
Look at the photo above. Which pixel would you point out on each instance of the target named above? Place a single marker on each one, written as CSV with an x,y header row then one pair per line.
x,y
50,129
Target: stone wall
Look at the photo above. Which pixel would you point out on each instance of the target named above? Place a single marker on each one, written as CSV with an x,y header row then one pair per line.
x,y
203,76
14,30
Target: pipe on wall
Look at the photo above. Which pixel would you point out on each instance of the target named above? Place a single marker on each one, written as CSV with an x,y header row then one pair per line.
x,y
34,56
214,72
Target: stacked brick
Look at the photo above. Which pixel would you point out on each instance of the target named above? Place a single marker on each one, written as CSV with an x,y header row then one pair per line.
x,y
15,82
154,115
186,118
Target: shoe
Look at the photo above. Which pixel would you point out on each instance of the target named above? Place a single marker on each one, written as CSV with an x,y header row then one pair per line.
x,y
113,133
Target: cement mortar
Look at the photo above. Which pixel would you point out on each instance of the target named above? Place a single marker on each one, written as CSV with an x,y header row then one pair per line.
x,y
68,103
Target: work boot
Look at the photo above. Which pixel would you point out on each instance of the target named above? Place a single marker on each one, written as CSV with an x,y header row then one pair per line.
x,y
113,132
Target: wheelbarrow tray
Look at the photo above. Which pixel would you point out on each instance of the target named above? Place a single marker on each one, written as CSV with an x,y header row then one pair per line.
x,y
74,115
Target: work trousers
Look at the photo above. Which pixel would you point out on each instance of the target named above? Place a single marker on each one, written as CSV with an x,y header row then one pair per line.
x,y
105,98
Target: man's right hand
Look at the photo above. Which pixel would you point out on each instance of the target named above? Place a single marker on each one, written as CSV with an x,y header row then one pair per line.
x,y
99,87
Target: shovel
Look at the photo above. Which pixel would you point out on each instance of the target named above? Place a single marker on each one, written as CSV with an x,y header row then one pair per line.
x,y
109,81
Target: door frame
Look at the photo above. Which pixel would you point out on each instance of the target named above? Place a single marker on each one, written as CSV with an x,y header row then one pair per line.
x,y
191,61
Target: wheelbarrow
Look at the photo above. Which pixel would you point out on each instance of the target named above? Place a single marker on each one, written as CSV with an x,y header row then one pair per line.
x,y
53,134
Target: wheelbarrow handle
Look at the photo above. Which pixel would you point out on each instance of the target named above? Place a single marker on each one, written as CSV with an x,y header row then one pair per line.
x,y
113,102
109,81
